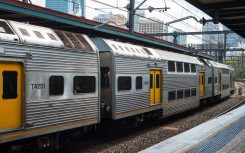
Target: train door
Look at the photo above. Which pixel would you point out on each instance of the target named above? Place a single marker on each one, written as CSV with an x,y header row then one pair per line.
x,y
219,81
155,87
202,83
10,99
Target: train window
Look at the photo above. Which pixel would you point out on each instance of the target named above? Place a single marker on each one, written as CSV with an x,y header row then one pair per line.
x,y
216,79
138,82
180,94
4,28
51,36
151,81
24,32
83,84
187,93
193,92
127,49
187,67
157,81
171,66
84,41
171,95
137,50
179,67
56,85
124,83
77,44
64,38
209,80
38,34
105,77
115,47
147,51
9,84
121,48
193,68
133,50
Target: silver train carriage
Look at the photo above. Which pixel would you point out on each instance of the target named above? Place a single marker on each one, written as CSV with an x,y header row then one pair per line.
x,y
136,80
49,81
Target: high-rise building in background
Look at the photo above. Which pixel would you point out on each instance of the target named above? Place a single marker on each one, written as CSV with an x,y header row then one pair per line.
x,y
139,14
151,26
74,7
211,41
181,39
117,19
103,18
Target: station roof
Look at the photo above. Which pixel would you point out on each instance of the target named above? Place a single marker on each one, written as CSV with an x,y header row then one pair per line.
x,y
23,12
230,13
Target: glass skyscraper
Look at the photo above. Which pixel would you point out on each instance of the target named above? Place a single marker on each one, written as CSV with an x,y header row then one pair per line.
x,y
74,7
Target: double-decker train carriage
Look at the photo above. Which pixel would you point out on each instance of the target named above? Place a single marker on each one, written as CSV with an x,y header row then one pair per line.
x,y
49,81
136,80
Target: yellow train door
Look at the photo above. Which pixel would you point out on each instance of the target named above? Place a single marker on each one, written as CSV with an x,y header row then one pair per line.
x,y
155,87
11,96
219,81
202,83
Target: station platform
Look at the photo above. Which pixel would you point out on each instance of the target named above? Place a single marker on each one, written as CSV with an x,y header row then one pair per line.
x,y
224,134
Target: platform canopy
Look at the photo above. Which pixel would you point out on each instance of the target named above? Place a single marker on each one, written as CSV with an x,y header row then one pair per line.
x,y
23,12
230,13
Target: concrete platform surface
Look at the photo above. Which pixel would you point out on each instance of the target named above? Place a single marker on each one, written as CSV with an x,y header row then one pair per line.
x,y
222,134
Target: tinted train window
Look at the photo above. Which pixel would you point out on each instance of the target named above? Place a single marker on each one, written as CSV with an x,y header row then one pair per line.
x,y
124,83
51,36
193,68
138,82
83,84
171,95
151,81
157,81
105,77
84,41
56,85
187,93
38,34
187,67
4,28
171,66
9,84
193,92
179,67
180,94
24,32
216,79
209,80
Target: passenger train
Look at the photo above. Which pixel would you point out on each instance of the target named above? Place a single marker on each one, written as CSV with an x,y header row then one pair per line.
x,y
56,81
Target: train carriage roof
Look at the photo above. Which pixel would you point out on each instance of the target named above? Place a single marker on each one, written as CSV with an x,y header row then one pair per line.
x,y
220,65
130,50
36,35
171,56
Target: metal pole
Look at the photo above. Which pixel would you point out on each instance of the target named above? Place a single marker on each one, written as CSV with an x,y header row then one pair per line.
x,y
224,53
131,16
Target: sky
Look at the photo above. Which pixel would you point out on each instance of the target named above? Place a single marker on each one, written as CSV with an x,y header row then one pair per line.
x,y
178,9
